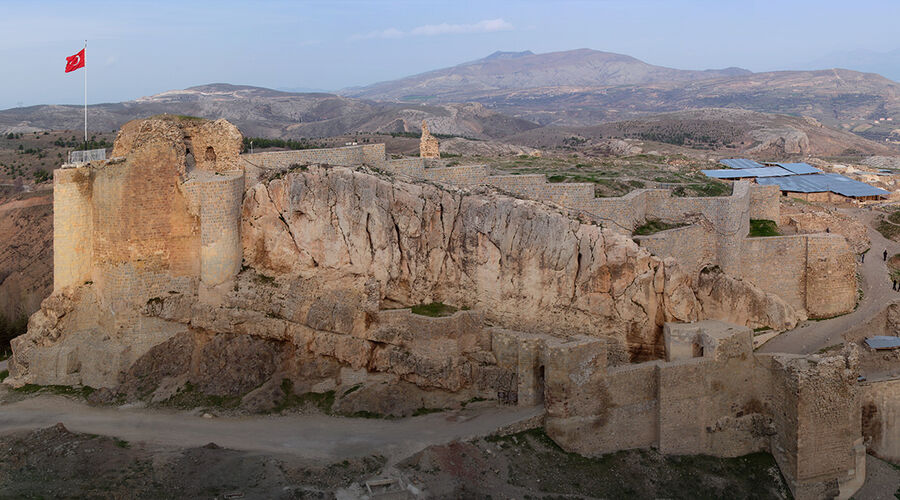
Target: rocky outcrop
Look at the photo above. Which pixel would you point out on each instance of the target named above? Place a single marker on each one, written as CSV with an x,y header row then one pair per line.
x,y
526,266
737,301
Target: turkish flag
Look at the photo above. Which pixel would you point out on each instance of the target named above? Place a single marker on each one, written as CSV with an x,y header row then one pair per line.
x,y
75,62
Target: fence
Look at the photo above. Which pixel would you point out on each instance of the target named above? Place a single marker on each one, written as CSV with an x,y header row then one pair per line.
x,y
87,156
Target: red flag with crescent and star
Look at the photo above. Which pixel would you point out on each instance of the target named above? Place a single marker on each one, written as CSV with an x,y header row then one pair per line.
x,y
75,62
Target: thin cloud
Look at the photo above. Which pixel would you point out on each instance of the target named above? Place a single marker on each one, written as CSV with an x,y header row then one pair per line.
x,y
485,26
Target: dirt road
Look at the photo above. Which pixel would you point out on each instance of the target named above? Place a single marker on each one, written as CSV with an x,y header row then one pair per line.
x,y
812,336
310,436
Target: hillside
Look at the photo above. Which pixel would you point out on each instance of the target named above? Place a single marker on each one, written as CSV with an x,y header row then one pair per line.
x,y
719,131
585,87
270,113
510,71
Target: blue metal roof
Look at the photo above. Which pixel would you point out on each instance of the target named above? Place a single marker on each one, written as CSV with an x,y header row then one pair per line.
x,y
799,168
818,183
741,163
883,342
727,173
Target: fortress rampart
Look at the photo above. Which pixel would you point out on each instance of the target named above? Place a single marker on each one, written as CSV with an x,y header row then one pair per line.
x,y
150,295
712,396
179,214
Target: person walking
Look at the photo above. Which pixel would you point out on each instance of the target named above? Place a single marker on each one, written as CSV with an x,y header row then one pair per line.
x,y
894,286
862,258
885,254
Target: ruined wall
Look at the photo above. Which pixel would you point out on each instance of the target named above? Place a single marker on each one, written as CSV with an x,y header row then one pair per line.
x,y
428,144
880,403
716,398
72,227
694,246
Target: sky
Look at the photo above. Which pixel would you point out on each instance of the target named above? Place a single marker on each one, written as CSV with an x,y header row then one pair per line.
x,y
143,48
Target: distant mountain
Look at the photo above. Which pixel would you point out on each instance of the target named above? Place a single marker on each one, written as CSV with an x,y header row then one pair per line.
x,y
511,71
265,112
586,87
870,61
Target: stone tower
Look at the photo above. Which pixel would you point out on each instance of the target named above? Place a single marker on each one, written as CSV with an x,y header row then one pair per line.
x,y
428,144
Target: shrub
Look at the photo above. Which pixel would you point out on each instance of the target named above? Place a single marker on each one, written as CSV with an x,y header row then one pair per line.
x,y
763,227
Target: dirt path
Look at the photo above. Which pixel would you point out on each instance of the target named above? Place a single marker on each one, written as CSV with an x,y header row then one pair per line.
x,y
812,336
308,436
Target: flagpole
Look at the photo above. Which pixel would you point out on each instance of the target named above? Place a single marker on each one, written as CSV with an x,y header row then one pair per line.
x,y
85,96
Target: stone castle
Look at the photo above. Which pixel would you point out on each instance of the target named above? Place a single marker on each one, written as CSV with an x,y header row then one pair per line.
x,y
181,261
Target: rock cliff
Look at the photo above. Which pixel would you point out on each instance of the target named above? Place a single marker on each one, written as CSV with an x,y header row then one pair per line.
x,y
526,266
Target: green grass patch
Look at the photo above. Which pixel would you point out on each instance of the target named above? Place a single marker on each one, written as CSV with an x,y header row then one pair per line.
x,y
762,228
829,348
121,443
324,401
60,390
427,411
434,309
652,226
352,390
188,397
888,229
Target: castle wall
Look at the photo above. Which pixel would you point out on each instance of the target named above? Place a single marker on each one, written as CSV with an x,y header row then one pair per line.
x,y
460,176
366,154
724,402
217,200
694,246
410,167
765,202
72,227
831,287
777,265
880,403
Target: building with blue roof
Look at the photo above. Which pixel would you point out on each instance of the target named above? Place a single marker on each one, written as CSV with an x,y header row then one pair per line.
x,y
800,180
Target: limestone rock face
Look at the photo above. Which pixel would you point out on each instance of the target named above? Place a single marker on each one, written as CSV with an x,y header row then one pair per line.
x,y
737,301
526,266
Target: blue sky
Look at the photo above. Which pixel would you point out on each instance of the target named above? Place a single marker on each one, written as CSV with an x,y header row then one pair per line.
x,y
142,48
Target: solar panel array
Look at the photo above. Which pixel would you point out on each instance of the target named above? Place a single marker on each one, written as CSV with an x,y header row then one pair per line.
x,y
817,183
883,342
728,173
741,163
799,168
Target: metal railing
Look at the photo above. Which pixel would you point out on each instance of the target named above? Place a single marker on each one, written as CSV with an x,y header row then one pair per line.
x,y
87,156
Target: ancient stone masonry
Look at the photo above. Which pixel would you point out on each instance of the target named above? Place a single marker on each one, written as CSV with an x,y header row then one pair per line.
x,y
180,264
428,144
